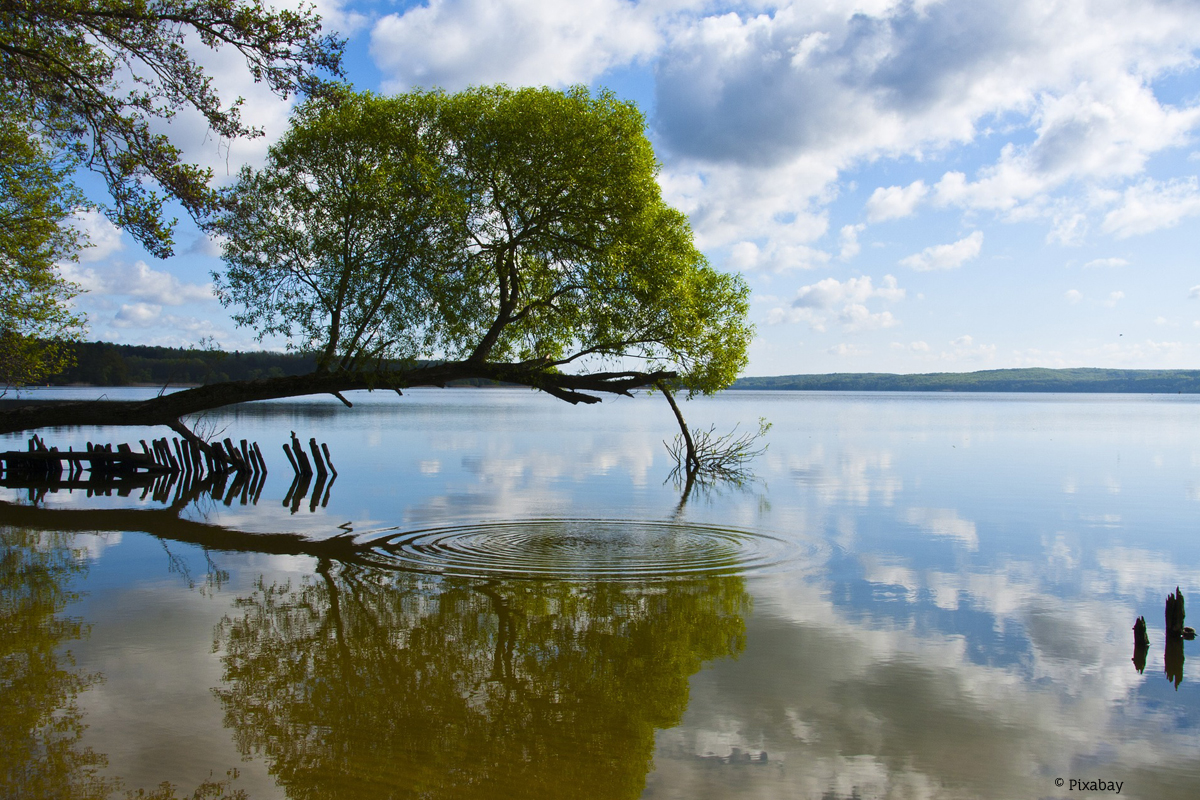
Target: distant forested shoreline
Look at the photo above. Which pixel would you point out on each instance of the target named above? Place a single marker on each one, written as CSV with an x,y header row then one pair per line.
x,y
108,364
1036,379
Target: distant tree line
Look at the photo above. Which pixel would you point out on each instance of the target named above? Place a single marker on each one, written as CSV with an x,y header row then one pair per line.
x,y
108,364
1147,381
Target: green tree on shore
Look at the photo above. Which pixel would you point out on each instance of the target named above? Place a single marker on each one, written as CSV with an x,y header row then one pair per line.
x,y
37,199
524,227
496,234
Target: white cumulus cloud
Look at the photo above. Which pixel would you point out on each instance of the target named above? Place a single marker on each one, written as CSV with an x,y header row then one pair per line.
x,y
1106,262
831,301
848,240
1151,205
457,43
830,292
137,315
103,237
846,349
895,202
764,108
138,281
964,349
946,256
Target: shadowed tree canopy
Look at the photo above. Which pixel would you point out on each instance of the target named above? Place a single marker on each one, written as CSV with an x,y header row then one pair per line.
x,y
94,77
90,84
512,235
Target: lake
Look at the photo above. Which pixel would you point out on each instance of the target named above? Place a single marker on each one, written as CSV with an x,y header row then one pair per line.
x,y
503,596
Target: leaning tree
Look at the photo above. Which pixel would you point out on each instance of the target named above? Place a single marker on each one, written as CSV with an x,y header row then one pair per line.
x,y
512,235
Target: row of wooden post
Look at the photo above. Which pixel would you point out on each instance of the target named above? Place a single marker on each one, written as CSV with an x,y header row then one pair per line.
x,y
39,463
165,464
299,460
159,456
188,457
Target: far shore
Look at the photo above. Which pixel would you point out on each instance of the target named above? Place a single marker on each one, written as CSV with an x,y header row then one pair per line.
x,y
1028,380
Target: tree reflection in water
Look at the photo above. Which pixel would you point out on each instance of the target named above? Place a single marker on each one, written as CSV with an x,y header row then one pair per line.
x,y
362,682
40,722
42,755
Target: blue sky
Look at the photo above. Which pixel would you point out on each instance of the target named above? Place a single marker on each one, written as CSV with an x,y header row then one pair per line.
x,y
932,185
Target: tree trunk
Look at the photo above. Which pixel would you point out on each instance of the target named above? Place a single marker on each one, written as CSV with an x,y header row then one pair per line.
x,y
692,463
169,409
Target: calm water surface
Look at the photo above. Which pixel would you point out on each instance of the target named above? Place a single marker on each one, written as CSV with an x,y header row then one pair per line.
x,y
502,596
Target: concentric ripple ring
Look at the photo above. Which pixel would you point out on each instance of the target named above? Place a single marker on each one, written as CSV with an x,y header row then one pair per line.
x,y
603,549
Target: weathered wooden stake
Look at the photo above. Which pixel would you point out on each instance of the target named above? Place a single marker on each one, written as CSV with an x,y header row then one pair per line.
x,y
1174,614
1140,638
235,457
197,457
287,451
262,464
301,458
316,451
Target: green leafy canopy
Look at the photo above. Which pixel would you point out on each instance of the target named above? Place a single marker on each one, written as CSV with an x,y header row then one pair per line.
x,y
496,225
37,198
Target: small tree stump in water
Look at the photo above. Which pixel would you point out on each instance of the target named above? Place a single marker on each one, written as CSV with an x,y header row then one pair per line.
x,y
1141,644
1140,639
1174,614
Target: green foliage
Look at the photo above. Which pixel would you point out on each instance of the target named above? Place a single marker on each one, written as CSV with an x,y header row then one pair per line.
x,y
91,76
339,242
37,198
365,683
493,225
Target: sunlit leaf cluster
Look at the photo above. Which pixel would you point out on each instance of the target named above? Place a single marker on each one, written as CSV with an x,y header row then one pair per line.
x,y
37,200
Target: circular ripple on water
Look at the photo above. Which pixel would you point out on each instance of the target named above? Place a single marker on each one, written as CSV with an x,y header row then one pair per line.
x,y
583,548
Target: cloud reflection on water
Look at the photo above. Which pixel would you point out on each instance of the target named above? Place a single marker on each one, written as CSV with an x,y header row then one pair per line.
x,y
965,634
